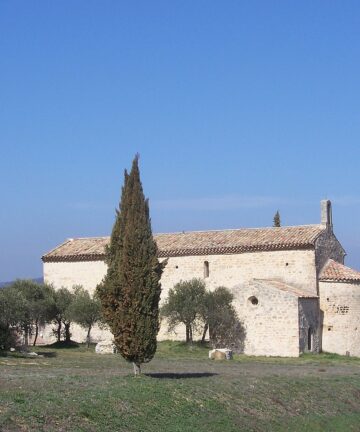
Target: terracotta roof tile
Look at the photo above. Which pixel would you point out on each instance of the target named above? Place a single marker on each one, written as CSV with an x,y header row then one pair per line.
x,y
199,243
79,249
334,271
298,292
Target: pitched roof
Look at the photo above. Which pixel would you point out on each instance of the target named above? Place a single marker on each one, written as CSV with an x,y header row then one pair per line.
x,y
334,271
282,286
79,249
198,243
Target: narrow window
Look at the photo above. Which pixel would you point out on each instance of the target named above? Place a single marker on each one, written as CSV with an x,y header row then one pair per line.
x,y
310,339
206,269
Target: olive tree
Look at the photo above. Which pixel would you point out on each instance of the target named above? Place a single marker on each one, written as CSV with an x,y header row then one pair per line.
x,y
85,310
61,317
221,320
25,306
184,305
12,311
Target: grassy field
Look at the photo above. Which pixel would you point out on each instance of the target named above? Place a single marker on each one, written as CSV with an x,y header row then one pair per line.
x,y
180,390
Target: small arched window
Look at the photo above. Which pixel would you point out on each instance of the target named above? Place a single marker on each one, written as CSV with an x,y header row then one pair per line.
x,y
206,269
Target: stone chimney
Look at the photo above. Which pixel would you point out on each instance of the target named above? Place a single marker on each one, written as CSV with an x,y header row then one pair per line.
x,y
326,214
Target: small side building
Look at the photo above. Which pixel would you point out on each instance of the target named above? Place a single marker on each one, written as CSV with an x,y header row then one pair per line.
x,y
279,319
339,289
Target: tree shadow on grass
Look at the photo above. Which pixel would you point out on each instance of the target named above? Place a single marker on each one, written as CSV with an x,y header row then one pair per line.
x,y
63,344
47,354
180,375
27,355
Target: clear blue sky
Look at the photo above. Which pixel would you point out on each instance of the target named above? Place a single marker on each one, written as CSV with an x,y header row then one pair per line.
x,y
237,108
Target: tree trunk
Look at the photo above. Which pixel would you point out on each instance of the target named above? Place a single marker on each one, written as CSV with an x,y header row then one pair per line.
x,y
190,334
88,337
187,333
211,334
67,332
26,338
137,369
36,331
58,330
206,326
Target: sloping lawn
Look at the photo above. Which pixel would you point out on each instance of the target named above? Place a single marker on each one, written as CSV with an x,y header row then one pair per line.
x,y
181,390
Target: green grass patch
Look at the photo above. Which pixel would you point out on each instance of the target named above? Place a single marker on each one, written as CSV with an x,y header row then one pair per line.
x,y
180,390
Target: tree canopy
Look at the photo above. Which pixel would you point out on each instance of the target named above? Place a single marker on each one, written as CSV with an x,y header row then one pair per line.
x,y
184,305
276,220
24,306
189,303
12,311
220,318
85,310
63,298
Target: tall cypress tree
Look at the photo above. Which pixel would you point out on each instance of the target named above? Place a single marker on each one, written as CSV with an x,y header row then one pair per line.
x,y
130,291
277,221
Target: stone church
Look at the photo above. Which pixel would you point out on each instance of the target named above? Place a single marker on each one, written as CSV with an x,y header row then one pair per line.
x,y
292,291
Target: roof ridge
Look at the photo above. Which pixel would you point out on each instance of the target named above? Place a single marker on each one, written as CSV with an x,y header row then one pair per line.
x,y
205,231
87,238
244,228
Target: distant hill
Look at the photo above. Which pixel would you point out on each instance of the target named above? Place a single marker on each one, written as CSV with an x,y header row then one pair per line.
x,y
38,280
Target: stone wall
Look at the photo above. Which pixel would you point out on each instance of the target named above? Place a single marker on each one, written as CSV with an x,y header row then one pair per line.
x,y
340,310
270,318
67,274
328,246
296,267
309,325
